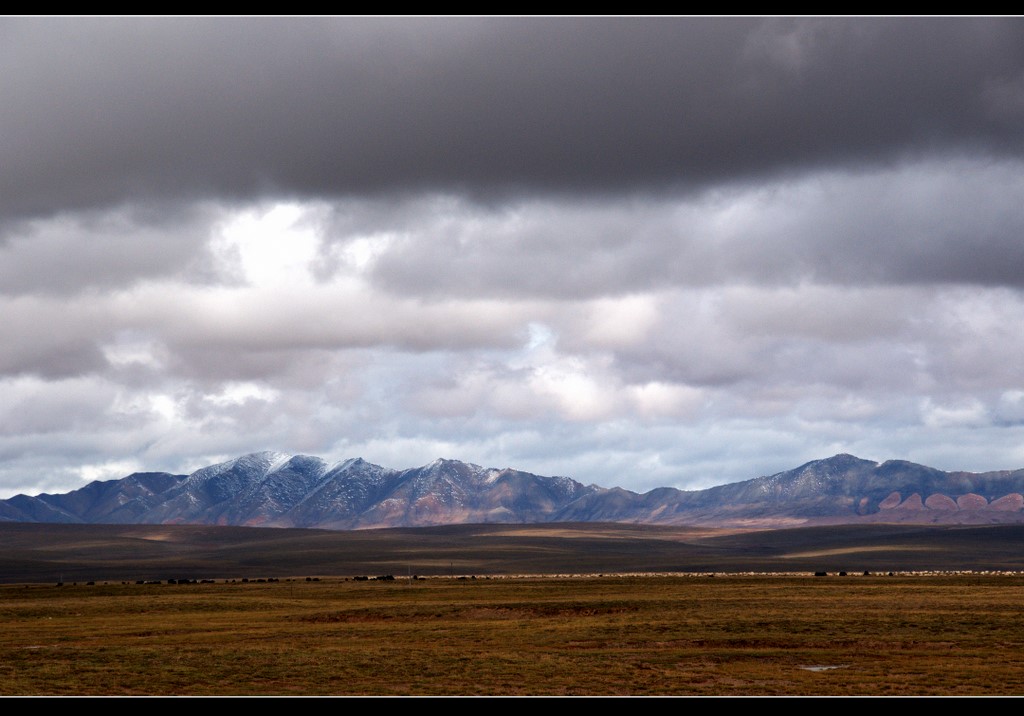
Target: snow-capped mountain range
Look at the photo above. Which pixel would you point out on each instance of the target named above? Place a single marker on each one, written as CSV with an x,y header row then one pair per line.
x,y
279,490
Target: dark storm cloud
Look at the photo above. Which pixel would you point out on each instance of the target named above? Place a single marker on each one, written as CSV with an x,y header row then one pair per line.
x,y
99,109
929,222
635,251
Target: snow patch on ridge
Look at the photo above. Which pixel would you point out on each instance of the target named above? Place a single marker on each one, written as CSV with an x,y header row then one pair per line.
x,y
278,460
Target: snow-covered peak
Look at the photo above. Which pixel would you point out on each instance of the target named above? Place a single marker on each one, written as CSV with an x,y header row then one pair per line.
x,y
492,475
278,460
352,462
256,461
260,460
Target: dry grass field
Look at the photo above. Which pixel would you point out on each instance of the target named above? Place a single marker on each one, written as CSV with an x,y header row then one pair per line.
x,y
610,635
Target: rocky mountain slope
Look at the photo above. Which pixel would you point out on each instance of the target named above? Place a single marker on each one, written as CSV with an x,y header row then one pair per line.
x,y
840,489
279,490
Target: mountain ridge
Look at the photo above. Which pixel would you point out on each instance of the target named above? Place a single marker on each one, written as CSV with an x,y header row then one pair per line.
x,y
275,489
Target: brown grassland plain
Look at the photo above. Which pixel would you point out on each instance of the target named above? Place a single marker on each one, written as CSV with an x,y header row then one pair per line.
x,y
697,635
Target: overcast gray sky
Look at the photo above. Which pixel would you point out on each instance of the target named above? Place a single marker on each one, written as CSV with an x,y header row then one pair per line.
x,y
639,252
